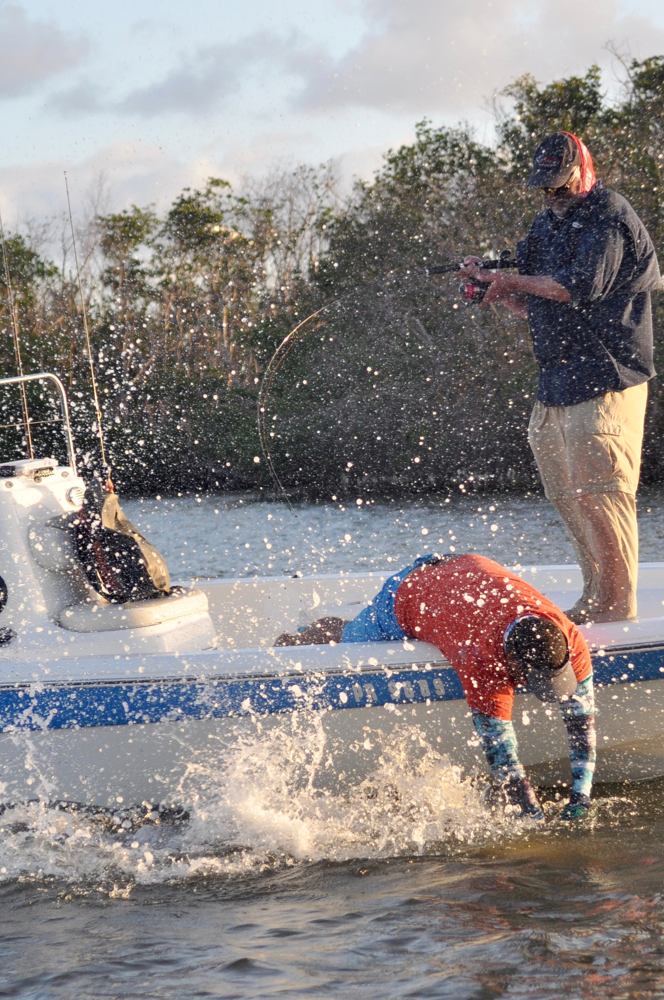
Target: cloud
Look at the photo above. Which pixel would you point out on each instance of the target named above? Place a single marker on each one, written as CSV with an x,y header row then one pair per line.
x,y
451,58
202,80
34,51
84,97
115,176
124,172
196,86
412,59
213,75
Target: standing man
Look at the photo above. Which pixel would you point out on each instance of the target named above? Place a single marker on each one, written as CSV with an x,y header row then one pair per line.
x,y
498,632
587,269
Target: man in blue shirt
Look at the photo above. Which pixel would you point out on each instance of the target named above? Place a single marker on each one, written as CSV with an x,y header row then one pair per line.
x,y
586,271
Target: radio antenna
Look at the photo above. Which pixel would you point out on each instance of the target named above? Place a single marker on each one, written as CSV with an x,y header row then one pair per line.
x,y
17,339
88,344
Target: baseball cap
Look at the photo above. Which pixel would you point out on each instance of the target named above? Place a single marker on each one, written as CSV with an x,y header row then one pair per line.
x,y
541,651
554,160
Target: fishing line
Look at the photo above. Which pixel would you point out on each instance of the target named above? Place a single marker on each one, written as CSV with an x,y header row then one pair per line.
x,y
17,340
295,336
504,260
88,343
276,363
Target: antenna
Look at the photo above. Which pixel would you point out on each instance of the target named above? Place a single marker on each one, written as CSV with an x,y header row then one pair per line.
x,y
88,343
16,338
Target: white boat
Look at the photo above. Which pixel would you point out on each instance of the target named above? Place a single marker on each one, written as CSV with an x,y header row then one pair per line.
x,y
115,704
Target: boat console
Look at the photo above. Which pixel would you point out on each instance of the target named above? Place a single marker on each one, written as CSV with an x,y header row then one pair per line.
x,y
47,605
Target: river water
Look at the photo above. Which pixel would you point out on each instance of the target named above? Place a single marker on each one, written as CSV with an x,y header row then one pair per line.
x,y
274,893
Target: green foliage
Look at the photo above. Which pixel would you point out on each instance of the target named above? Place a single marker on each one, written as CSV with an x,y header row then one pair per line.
x,y
197,217
421,203
186,434
25,283
572,105
26,268
122,238
388,385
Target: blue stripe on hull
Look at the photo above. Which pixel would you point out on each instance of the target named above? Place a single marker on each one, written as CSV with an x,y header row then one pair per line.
x,y
26,708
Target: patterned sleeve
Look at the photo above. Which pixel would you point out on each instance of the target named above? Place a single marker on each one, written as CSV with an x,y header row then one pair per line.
x,y
501,751
578,714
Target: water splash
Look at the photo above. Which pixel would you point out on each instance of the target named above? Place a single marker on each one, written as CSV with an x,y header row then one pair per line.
x,y
413,800
263,809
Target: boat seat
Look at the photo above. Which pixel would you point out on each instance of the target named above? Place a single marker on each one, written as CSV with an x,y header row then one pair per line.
x,y
91,617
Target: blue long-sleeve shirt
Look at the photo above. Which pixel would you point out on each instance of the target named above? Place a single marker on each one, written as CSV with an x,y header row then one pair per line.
x,y
602,340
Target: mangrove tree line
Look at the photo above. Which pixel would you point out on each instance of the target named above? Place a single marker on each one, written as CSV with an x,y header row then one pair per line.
x,y
394,386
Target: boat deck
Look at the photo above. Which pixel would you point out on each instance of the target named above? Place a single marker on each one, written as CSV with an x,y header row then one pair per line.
x,y
250,613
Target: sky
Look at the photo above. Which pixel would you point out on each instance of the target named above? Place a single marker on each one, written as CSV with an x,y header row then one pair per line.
x,y
136,99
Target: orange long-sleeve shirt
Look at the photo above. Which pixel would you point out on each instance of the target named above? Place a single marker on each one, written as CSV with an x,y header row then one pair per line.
x,y
463,605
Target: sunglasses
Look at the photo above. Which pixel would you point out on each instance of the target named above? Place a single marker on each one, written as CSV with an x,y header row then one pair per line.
x,y
558,192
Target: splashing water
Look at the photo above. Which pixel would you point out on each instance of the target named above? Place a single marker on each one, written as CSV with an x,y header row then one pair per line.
x,y
260,811
405,807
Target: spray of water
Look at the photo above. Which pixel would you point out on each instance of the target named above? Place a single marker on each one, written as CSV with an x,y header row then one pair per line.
x,y
260,809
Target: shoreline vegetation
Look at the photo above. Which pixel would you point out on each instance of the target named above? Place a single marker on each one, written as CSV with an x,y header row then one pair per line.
x,y
394,388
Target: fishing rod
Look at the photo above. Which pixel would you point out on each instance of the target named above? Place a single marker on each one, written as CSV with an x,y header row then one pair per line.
x,y
11,301
505,259
473,291
88,343
119,562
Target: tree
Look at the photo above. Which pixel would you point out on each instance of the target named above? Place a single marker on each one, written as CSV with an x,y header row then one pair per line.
x,y
390,384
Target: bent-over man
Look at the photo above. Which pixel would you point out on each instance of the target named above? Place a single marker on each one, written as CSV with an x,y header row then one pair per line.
x,y
499,633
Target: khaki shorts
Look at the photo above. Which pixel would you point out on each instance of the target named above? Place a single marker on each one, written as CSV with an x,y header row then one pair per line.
x,y
592,447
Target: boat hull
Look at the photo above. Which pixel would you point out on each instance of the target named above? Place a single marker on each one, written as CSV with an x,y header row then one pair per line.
x,y
175,741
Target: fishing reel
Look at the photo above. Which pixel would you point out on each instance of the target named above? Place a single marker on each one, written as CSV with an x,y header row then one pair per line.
x,y
472,291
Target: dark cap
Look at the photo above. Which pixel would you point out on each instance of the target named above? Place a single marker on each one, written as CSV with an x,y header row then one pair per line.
x,y
541,652
554,160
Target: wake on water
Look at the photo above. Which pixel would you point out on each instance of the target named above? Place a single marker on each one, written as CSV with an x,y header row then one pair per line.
x,y
261,811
